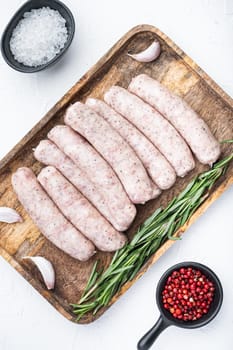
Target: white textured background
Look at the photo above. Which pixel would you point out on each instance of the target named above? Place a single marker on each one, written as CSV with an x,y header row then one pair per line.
x,y
204,30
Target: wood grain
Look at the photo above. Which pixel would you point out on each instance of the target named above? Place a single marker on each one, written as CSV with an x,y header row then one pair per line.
x,y
175,70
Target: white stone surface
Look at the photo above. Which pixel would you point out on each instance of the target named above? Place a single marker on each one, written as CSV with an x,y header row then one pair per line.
x,y
203,29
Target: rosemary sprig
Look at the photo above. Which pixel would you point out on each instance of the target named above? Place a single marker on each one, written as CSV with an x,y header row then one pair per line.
x,y
159,227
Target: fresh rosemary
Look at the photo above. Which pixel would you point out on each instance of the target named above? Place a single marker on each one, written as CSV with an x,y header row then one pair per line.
x,y
159,227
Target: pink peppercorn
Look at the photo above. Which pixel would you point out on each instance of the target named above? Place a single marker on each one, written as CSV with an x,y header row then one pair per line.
x,y
188,294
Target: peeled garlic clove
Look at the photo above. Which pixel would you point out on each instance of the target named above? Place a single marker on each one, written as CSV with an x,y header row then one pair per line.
x,y
149,54
9,215
45,268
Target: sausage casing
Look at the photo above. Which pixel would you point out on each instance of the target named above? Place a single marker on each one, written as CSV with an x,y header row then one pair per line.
x,y
79,211
161,133
114,149
193,128
157,166
98,171
48,218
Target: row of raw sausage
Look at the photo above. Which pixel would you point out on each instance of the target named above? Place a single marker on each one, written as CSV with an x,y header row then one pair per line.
x,y
109,156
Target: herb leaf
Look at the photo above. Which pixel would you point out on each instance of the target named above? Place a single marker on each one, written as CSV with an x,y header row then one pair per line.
x,y
159,227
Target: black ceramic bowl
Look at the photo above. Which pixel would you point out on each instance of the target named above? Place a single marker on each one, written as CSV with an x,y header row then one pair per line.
x,y
28,6
166,319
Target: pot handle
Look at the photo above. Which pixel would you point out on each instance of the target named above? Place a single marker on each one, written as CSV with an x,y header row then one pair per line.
x,y
148,339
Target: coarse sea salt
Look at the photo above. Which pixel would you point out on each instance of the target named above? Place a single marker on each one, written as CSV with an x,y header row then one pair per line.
x,y
38,37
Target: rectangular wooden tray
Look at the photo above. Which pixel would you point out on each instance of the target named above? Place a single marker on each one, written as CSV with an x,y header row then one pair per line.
x,y
175,70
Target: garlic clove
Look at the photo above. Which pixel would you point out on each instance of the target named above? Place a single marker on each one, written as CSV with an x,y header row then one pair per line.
x,y
9,215
149,54
45,268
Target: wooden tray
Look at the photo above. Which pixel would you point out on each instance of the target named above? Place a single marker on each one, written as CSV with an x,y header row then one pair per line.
x,y
178,72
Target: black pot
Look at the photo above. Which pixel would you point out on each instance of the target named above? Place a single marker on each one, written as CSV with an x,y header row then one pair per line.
x,y
166,319
28,6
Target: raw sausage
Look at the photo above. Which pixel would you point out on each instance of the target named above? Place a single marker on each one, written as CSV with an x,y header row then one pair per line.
x,y
155,163
161,133
48,153
78,210
113,148
193,129
48,218
98,170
